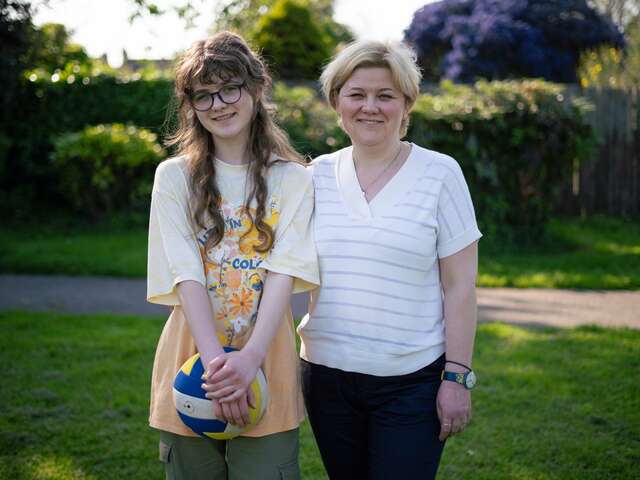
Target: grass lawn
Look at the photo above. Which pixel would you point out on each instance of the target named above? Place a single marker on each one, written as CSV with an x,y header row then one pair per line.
x,y
598,253
551,404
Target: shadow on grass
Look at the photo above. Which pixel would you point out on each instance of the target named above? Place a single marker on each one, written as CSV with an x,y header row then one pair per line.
x,y
76,395
551,403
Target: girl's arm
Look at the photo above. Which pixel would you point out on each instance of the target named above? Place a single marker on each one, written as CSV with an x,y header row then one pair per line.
x,y
458,276
199,314
229,375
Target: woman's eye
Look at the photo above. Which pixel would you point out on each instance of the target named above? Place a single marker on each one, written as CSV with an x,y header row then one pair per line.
x,y
386,97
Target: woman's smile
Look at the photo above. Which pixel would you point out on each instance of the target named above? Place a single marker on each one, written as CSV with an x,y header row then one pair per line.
x,y
371,107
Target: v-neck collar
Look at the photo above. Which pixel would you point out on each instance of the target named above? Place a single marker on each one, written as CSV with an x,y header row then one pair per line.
x,y
352,194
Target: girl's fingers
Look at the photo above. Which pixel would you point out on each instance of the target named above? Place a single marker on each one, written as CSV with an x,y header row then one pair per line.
x,y
214,365
251,398
220,393
234,397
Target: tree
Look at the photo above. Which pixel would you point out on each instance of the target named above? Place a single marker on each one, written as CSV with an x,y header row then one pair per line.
x,y
243,17
291,42
613,67
622,12
15,28
51,49
463,40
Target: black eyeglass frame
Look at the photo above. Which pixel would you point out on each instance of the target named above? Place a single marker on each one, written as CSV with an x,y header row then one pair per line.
x,y
212,96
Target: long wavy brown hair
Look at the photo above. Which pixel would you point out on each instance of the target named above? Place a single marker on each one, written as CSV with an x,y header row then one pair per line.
x,y
219,58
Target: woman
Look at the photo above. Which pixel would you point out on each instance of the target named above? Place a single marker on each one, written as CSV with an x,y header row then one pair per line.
x,y
229,240
397,245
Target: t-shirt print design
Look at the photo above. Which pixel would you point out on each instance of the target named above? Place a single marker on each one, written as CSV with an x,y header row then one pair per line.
x,y
234,281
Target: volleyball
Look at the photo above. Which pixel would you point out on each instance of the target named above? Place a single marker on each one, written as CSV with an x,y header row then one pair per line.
x,y
196,410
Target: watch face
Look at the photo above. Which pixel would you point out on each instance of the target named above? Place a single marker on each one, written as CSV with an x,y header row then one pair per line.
x,y
470,380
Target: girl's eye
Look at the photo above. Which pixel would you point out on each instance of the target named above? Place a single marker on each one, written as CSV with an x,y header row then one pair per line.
x,y
229,89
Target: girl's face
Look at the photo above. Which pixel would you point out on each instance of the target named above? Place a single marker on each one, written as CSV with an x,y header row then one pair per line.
x,y
227,122
371,107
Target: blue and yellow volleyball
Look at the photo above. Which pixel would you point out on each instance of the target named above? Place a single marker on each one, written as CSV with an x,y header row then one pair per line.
x,y
196,410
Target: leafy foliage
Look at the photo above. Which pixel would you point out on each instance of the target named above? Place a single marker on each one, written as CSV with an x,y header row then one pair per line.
x,y
15,28
291,42
516,143
464,40
52,55
613,67
50,108
622,12
107,168
243,16
51,48
312,127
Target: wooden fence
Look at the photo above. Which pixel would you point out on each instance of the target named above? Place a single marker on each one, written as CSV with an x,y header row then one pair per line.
x,y
609,182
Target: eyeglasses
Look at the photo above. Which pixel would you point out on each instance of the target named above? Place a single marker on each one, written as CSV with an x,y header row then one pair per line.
x,y
229,94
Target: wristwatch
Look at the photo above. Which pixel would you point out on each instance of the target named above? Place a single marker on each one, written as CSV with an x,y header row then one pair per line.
x,y
467,380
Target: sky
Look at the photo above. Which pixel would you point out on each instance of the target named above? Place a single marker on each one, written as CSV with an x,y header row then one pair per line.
x,y
103,27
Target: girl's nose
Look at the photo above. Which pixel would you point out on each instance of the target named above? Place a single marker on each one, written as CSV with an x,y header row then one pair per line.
x,y
218,104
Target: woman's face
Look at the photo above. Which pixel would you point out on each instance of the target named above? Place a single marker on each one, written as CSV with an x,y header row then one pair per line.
x,y
371,107
229,121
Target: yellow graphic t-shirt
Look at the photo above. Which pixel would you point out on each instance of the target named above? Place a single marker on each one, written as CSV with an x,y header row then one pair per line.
x,y
233,277
233,274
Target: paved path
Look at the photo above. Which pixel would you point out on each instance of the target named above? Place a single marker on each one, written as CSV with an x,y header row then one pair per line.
x,y
559,308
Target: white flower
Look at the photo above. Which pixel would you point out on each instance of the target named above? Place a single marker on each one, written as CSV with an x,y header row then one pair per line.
x,y
239,323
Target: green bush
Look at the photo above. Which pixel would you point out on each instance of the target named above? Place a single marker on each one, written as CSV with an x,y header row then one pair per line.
x,y
48,109
516,141
291,42
312,126
107,168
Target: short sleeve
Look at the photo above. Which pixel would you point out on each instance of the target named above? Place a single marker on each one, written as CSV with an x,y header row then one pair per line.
x,y
294,252
173,254
457,227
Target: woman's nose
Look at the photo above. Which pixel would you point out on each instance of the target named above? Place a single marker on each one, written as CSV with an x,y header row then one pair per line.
x,y
370,104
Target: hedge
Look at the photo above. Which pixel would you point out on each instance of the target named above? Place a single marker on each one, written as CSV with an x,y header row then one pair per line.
x,y
106,168
515,140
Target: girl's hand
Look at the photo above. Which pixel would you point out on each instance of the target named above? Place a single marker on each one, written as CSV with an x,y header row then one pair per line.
x,y
229,376
236,412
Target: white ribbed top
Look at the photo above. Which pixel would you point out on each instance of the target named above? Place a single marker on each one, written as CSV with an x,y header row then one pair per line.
x,y
379,308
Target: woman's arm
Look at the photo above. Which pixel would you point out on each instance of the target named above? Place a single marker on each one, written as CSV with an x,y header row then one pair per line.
x,y
229,375
458,276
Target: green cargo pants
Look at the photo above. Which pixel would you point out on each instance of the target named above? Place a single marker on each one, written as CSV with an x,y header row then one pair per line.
x,y
272,457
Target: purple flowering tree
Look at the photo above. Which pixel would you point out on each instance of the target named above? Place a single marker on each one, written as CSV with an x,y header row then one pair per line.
x,y
463,40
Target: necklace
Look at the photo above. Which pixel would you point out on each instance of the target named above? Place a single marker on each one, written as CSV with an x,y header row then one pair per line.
x,y
364,189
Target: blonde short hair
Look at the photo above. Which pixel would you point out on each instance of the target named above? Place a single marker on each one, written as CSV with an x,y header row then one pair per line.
x,y
399,58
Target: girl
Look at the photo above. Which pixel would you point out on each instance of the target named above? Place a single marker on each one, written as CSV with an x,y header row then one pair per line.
x,y
229,240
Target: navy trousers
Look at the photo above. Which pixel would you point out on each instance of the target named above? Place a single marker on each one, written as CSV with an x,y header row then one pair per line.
x,y
375,428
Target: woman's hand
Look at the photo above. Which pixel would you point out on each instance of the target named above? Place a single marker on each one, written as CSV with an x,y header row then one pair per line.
x,y
454,408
